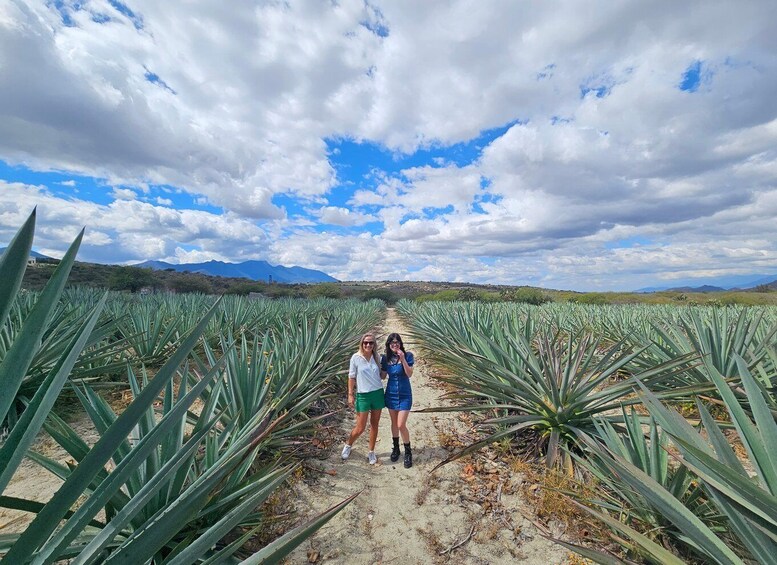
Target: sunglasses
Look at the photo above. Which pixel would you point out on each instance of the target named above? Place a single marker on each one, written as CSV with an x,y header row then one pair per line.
x,y
368,343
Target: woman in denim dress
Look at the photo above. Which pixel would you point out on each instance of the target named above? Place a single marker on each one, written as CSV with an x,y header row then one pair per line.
x,y
398,365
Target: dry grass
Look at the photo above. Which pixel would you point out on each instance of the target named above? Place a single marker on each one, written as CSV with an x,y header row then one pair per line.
x,y
431,482
546,489
575,559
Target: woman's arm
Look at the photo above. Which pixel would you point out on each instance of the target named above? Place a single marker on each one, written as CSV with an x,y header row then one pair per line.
x,y
352,370
351,388
407,367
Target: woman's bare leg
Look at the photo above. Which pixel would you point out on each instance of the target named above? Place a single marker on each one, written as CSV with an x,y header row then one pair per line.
x,y
401,423
374,421
394,426
358,429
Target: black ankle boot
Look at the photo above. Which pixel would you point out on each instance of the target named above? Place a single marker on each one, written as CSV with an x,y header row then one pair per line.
x,y
408,456
395,451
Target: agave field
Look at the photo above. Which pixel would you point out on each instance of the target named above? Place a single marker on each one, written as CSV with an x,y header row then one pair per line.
x,y
669,413
223,393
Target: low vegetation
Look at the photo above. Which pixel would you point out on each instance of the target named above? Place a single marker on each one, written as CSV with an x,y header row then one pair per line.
x,y
655,415
220,396
141,280
599,393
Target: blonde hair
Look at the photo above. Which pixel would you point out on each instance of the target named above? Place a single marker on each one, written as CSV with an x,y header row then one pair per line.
x,y
374,347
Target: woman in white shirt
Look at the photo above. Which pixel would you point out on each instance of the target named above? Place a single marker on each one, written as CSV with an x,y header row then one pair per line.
x,y
364,379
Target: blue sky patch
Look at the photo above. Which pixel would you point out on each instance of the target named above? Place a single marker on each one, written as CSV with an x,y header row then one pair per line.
x,y
154,79
63,185
355,162
378,28
636,241
64,9
378,24
692,77
70,186
123,9
294,207
181,200
599,91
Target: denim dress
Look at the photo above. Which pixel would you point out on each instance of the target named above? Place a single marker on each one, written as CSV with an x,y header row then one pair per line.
x,y
399,393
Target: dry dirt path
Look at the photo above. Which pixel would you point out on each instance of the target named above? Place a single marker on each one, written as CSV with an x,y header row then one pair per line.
x,y
408,516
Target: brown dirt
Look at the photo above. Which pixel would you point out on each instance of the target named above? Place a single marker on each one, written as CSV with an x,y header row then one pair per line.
x,y
472,511
469,512
33,482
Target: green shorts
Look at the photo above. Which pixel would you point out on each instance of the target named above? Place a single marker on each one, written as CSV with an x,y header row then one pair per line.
x,y
373,400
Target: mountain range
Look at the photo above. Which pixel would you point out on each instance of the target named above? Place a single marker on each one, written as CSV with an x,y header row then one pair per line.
x,y
719,284
254,270
262,271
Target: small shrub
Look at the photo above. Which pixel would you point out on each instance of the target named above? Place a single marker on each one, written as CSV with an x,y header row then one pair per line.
x,y
380,294
590,298
130,278
442,296
325,290
467,295
525,295
186,285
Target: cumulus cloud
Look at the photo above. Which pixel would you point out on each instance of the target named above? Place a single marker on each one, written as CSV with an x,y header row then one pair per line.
x,y
337,216
653,123
124,194
231,104
126,230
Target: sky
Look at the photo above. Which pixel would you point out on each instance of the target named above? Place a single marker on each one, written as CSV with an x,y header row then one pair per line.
x,y
610,146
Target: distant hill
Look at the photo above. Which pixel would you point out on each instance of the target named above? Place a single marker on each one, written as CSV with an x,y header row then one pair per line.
x,y
703,288
32,254
734,282
254,270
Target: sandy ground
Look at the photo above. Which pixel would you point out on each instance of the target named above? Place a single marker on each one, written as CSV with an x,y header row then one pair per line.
x,y
411,515
402,516
33,482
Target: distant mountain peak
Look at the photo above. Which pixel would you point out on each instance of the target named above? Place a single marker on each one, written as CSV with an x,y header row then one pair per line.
x,y
733,282
32,254
257,270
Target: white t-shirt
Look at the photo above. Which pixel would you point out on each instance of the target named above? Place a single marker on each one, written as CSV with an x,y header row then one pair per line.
x,y
366,373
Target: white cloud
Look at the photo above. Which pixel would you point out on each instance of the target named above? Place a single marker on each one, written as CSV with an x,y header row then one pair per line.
x,y
124,194
126,230
235,107
337,216
241,116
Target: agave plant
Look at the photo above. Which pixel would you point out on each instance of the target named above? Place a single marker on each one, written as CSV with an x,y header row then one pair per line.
x,y
101,356
648,453
170,493
288,368
749,503
193,488
717,334
151,332
551,383
20,353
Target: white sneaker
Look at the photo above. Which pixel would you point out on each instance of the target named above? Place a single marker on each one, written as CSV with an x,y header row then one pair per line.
x,y
346,451
372,458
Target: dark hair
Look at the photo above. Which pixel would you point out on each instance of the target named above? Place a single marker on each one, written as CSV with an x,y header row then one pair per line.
x,y
391,337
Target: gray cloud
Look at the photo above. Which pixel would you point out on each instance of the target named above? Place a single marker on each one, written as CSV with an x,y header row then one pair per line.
x,y
234,106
